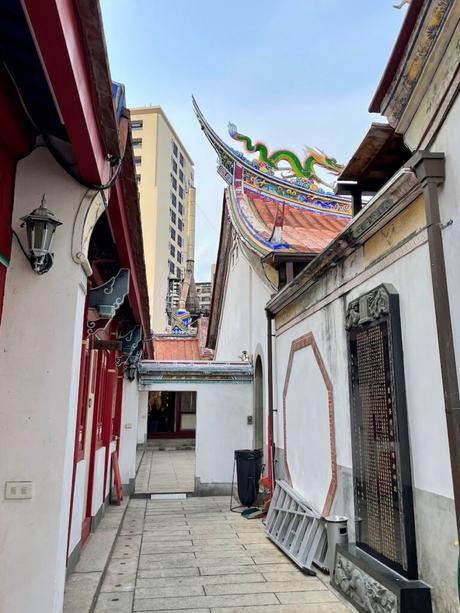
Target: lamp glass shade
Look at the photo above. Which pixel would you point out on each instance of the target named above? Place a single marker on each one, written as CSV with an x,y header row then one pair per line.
x,y
40,225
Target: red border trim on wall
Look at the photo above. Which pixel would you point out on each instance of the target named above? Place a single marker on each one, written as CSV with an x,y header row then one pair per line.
x,y
308,340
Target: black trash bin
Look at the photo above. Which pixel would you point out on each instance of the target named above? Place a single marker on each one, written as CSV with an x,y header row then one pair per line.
x,y
248,471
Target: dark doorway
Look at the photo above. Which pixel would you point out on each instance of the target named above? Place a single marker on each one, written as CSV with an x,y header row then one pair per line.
x,y
258,405
171,415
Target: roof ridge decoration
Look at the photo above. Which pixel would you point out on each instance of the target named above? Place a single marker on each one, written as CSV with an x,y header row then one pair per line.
x,y
294,212
304,171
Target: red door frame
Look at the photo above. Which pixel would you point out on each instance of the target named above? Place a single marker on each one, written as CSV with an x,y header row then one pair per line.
x,y
93,363
98,424
80,427
109,411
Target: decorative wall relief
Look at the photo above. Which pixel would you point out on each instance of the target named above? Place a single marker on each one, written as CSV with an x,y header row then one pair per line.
x,y
362,589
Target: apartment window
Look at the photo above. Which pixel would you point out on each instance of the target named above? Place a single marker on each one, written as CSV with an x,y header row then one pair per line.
x,y
180,225
174,164
181,192
173,181
179,240
181,176
137,142
138,179
179,273
171,267
181,160
137,159
191,176
173,200
172,250
179,257
172,214
172,233
181,208
137,124
174,148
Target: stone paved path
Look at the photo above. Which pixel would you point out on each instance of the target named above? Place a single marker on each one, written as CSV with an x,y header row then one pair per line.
x,y
195,555
166,471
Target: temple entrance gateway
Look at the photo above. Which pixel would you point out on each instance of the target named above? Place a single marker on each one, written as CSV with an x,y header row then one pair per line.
x,y
171,414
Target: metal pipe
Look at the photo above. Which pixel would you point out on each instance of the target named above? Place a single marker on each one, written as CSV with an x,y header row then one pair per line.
x,y
271,438
430,171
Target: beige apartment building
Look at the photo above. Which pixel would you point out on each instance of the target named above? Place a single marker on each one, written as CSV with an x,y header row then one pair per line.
x,y
164,173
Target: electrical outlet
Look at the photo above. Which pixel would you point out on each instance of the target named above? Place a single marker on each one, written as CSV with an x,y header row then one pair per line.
x,y
250,420
18,490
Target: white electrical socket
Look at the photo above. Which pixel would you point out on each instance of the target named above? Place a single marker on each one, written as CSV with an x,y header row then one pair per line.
x,y
18,490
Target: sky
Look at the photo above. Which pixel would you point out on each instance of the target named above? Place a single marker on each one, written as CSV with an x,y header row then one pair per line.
x,y
289,74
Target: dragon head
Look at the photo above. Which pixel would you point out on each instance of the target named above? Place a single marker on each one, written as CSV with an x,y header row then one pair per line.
x,y
320,158
333,166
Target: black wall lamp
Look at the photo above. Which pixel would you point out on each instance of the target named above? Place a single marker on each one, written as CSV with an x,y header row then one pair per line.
x,y
40,226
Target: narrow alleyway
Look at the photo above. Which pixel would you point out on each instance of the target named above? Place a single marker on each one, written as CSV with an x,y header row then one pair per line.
x,y
166,469
195,555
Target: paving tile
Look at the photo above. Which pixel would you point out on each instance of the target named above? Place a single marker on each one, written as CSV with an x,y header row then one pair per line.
x,y
219,560
79,591
306,597
195,555
177,604
114,603
258,588
176,571
223,551
200,580
118,565
95,554
119,582
156,562
300,608
232,569
171,590
294,574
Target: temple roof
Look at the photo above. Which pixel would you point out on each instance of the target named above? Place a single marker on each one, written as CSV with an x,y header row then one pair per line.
x,y
176,348
270,210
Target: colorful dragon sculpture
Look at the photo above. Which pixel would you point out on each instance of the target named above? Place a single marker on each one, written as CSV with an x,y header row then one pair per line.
x,y
305,170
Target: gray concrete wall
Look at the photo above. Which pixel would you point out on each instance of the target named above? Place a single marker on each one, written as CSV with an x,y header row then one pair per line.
x,y
437,550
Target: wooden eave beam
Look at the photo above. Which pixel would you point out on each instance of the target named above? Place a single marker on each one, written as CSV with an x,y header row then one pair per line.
x,y
56,28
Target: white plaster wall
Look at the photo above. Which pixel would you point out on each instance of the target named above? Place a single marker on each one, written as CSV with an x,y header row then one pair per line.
x,y
142,418
221,428
307,422
78,505
243,324
98,482
40,345
221,415
234,329
328,327
448,142
427,428
128,431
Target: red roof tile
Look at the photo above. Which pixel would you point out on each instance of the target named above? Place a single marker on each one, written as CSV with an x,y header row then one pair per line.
x,y
303,230
177,348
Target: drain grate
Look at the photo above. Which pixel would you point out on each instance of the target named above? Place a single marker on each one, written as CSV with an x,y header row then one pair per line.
x,y
296,528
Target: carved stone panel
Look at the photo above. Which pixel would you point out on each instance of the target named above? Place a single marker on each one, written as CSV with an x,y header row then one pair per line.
x,y
380,443
361,589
